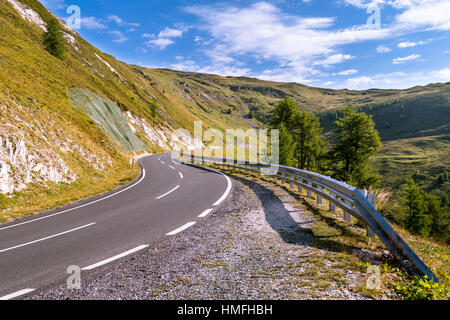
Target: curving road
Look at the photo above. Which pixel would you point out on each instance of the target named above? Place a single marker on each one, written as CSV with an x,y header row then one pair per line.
x,y
166,199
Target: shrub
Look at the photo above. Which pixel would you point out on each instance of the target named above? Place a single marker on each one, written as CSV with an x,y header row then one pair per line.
x,y
422,288
53,40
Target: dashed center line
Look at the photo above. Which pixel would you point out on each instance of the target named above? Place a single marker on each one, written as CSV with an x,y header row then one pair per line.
x,y
46,238
171,167
182,228
181,175
167,193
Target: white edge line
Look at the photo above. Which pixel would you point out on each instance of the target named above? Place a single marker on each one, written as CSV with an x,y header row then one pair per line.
x,y
181,175
171,167
79,207
227,191
180,229
205,213
167,193
16,294
103,262
46,238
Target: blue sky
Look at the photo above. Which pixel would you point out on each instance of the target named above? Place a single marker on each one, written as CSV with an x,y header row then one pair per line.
x,y
356,44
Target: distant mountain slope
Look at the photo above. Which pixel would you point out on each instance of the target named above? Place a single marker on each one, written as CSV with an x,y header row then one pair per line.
x,y
398,114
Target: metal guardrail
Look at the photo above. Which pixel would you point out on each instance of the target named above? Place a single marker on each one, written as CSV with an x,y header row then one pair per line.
x,y
352,201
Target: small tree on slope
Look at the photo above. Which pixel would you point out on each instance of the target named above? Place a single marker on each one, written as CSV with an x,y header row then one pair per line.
x,y
54,40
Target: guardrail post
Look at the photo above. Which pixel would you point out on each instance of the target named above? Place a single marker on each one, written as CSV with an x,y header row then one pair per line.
x,y
319,197
300,189
332,206
291,185
372,200
347,216
309,192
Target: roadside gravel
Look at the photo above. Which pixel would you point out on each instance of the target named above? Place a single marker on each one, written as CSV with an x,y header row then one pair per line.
x,y
257,245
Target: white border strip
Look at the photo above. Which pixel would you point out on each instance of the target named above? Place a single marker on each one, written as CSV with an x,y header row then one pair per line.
x,y
103,262
227,191
16,294
205,213
75,208
182,228
181,175
46,238
167,193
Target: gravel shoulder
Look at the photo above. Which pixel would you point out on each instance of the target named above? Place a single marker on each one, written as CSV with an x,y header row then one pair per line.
x,y
260,244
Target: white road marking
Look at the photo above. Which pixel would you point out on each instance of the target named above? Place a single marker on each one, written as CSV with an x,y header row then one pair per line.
x,y
180,229
46,238
16,294
205,213
163,162
171,167
103,262
167,193
79,207
181,175
227,191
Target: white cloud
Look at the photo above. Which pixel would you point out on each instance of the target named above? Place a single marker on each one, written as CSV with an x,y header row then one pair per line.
x,y
119,36
164,38
383,49
115,19
266,33
408,44
431,14
92,23
170,33
334,59
160,43
191,66
398,80
405,59
345,72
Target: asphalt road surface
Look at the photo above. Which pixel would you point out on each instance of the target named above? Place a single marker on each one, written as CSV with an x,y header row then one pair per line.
x,y
167,199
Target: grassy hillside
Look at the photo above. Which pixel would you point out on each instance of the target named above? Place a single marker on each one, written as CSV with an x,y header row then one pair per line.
x,y
419,111
423,158
50,144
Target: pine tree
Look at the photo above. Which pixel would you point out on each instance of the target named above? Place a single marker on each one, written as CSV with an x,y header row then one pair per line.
x,y
285,113
287,146
357,142
54,40
417,219
309,143
437,215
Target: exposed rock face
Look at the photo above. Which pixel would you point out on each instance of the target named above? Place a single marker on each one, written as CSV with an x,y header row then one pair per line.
x,y
28,14
20,166
166,138
32,149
